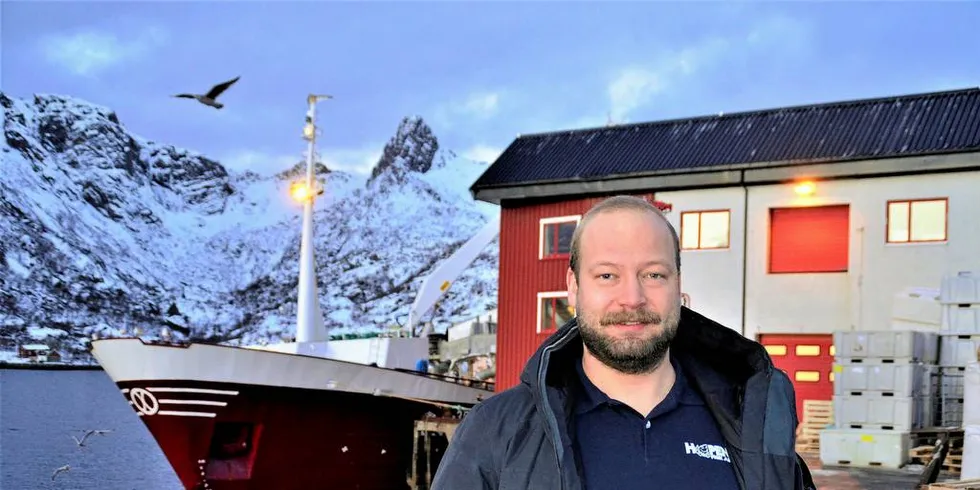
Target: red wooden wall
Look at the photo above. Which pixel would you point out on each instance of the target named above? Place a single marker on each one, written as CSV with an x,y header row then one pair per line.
x,y
522,276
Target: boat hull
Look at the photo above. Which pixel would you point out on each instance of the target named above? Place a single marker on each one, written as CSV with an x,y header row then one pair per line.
x,y
355,432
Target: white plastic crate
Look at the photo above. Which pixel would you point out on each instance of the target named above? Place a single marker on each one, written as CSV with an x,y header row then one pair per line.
x,y
865,448
951,412
897,346
963,319
916,306
870,410
913,379
970,462
958,350
960,288
971,396
951,382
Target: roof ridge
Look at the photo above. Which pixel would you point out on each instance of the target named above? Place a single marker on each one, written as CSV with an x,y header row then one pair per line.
x,y
756,112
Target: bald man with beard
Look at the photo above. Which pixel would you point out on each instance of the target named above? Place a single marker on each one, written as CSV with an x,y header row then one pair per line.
x,y
637,391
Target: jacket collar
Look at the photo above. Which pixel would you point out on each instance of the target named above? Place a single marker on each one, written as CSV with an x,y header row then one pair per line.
x,y
717,362
700,341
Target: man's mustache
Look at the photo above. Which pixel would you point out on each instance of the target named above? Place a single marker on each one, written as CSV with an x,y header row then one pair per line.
x,y
640,316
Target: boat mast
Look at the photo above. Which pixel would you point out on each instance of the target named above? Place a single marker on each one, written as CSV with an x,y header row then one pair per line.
x,y
309,318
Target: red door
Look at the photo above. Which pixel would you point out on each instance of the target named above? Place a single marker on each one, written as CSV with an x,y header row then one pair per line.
x,y
808,360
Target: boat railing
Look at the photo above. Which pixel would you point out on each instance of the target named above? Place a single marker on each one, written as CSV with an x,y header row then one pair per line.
x,y
473,383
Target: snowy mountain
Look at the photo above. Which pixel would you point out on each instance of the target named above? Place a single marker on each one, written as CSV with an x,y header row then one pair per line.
x,y
104,232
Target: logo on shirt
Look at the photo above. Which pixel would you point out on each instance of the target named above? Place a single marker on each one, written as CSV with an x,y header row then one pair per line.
x,y
709,451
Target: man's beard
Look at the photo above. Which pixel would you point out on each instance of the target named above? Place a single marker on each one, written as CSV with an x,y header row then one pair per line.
x,y
630,355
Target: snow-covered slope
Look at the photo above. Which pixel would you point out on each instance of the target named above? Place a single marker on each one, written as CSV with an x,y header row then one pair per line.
x,y
103,231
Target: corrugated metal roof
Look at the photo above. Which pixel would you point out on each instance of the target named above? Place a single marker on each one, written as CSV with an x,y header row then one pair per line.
x,y
917,124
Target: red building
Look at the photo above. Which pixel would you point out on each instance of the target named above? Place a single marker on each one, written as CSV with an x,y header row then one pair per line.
x,y
535,240
751,233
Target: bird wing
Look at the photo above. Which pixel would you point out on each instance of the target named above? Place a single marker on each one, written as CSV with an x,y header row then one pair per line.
x,y
185,96
87,433
59,470
221,87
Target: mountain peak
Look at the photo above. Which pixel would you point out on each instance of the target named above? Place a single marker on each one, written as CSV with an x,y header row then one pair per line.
x,y
413,148
101,229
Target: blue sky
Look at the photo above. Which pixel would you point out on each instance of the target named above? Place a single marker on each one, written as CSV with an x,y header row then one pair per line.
x,y
478,72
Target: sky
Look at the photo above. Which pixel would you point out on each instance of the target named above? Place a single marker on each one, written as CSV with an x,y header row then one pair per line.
x,y
480,73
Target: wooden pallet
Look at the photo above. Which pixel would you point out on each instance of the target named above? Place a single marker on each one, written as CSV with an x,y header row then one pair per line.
x,y
817,415
972,484
924,443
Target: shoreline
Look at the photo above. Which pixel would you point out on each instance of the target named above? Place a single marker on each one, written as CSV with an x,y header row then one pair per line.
x,y
42,366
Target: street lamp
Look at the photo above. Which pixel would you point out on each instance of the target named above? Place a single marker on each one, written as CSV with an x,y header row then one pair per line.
x,y
309,318
301,192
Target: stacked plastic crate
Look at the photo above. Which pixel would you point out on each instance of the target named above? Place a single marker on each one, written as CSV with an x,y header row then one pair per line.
x,y
959,341
884,388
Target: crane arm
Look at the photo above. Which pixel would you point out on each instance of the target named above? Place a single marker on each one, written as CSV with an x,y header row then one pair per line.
x,y
437,283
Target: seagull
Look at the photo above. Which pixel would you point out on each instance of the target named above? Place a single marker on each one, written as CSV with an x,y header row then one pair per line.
x,y
60,470
81,442
210,98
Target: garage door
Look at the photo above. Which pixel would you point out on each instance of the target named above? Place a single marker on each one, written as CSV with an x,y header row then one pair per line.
x,y
808,360
809,239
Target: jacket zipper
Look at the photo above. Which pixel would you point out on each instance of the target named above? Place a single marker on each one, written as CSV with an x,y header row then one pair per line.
x,y
552,421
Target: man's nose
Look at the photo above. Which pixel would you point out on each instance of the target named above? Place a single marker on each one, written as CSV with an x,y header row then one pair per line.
x,y
631,293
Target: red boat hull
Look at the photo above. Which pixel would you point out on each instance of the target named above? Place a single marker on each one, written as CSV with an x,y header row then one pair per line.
x,y
231,418
282,438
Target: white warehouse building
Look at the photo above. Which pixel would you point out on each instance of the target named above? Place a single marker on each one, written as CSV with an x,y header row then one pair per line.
x,y
794,222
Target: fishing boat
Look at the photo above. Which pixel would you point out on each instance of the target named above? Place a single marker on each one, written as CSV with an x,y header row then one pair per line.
x,y
314,413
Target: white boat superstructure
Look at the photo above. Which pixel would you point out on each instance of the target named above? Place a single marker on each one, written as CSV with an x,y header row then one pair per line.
x,y
129,360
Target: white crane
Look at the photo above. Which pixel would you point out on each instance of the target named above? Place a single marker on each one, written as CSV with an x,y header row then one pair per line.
x,y
436,284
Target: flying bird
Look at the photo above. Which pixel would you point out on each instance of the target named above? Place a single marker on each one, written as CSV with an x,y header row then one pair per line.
x,y
60,470
100,432
210,98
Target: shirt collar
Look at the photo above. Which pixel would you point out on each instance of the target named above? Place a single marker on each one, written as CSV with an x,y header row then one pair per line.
x,y
592,397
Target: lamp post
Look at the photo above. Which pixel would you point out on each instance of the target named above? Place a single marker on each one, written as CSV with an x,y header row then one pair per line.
x,y
309,318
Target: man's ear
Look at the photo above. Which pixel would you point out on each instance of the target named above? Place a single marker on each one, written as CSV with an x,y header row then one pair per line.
x,y
572,285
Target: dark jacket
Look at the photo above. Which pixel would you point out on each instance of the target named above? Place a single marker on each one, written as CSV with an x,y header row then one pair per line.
x,y
519,439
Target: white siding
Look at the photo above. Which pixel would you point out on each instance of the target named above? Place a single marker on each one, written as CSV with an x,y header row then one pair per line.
x,y
712,278
823,302
862,298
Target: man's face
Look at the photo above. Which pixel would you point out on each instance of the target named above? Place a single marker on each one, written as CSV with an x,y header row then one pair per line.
x,y
627,296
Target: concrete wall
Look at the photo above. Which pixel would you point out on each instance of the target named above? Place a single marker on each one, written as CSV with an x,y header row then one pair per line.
x,y
860,298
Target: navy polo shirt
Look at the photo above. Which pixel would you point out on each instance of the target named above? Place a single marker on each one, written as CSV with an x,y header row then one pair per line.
x,y
677,445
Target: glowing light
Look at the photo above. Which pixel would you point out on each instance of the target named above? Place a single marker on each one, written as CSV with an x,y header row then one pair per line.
x,y
300,192
805,188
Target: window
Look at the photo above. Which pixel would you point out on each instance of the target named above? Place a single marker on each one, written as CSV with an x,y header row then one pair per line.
x,y
556,236
553,311
809,239
705,229
919,220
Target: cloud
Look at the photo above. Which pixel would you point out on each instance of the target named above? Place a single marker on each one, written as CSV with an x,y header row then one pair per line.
x,y
477,106
637,85
260,162
480,105
89,53
632,88
358,161
482,153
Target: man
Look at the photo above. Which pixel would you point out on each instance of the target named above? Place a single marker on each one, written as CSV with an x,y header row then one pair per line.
x,y
637,391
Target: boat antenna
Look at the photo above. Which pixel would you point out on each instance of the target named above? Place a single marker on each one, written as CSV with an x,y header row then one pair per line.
x,y
309,318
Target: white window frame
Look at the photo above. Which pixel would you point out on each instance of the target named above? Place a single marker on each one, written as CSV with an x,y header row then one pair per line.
x,y
577,218
547,295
